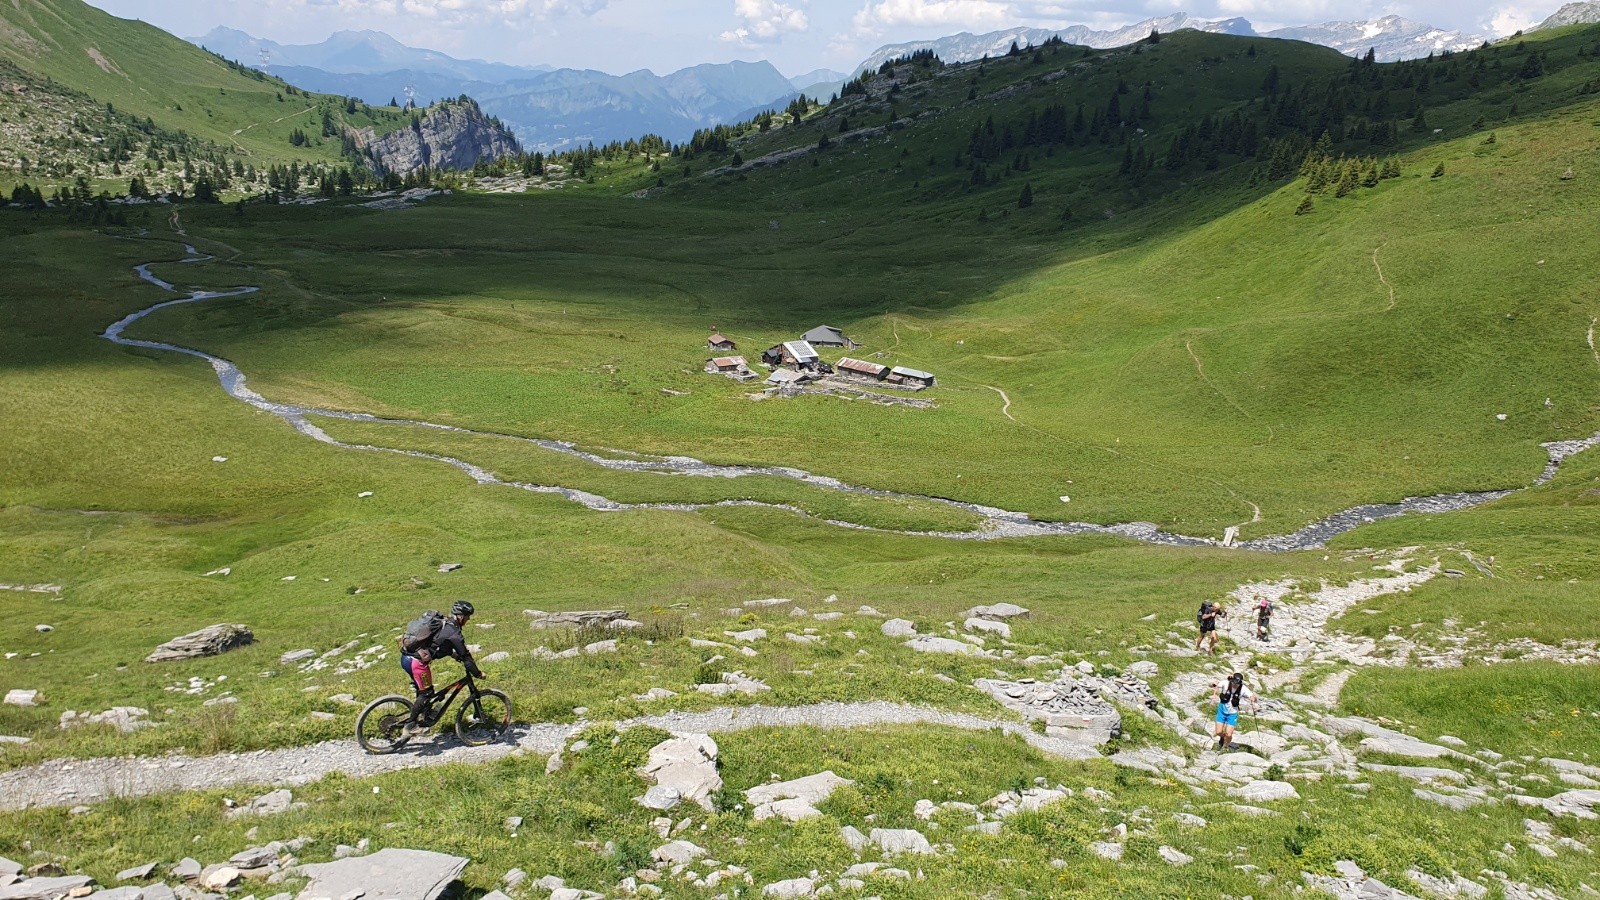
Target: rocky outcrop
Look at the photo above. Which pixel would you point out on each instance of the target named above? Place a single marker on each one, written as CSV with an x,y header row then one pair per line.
x,y
450,135
205,642
1572,14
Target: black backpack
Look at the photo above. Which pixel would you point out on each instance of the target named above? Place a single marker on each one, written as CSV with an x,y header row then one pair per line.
x,y
419,635
1205,607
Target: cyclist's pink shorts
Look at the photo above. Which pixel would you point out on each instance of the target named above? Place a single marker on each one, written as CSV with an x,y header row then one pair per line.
x,y
420,674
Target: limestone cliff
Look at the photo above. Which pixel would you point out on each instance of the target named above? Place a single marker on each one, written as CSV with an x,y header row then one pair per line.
x,y
453,134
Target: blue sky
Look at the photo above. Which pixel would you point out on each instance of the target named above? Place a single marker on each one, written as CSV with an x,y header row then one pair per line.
x,y
795,35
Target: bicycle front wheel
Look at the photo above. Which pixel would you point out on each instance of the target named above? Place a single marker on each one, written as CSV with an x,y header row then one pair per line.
x,y
381,727
483,718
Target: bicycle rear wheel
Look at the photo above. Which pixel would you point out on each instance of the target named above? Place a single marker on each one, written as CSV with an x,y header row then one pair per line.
x,y
483,718
381,727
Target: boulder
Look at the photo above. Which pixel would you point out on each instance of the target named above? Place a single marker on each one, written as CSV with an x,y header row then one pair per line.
x,y
21,697
812,788
686,764
137,872
661,797
900,840
1174,857
790,889
187,869
390,873
853,838
123,718
272,803
677,853
205,642
988,625
898,628
1107,850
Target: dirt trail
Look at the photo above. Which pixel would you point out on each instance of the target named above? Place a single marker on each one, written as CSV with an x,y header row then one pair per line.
x,y
275,121
1382,279
1005,410
69,782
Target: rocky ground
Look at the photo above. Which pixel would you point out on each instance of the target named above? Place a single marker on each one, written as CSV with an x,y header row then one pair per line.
x,y
1292,739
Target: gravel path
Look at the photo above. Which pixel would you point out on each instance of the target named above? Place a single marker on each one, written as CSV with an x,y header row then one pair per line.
x,y
69,782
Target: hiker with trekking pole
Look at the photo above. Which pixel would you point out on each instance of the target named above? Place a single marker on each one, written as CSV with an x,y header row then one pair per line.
x,y
1263,618
1230,696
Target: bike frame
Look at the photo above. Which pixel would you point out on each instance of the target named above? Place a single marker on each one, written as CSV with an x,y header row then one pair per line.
x,y
437,710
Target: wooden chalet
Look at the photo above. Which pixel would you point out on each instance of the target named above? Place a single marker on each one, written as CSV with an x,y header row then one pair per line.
x,y
717,343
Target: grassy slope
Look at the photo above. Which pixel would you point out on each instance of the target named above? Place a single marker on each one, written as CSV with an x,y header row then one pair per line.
x,y
1147,386
146,72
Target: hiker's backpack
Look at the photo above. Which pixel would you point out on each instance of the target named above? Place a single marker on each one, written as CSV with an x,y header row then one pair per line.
x,y
1205,607
1264,609
1231,694
419,635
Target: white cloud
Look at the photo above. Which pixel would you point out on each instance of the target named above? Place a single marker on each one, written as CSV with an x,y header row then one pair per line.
x,y
879,15
764,21
466,12
1507,20
1299,11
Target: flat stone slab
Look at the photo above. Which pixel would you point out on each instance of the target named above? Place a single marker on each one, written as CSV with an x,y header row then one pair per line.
x,y
1265,791
997,611
45,888
389,873
931,644
575,619
22,698
208,641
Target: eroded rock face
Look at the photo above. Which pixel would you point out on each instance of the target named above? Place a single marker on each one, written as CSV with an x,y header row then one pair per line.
x,y
452,135
208,641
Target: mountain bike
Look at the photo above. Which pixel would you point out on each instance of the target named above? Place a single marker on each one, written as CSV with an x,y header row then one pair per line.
x,y
484,716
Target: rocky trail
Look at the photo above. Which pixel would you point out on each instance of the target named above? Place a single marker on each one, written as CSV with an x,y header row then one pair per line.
x,y
1292,739
70,782
996,523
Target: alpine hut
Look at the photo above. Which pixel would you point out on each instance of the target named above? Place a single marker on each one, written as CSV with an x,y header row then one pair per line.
x,y
857,368
716,343
828,336
910,377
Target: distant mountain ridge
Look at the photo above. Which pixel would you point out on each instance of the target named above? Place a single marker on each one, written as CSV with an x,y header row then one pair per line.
x,y
1391,38
1572,14
548,109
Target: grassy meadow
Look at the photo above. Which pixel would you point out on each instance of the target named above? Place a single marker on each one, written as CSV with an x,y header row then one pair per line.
x,y
1196,357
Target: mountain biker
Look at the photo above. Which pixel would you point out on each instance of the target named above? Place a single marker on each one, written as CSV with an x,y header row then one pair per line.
x,y
1230,696
418,664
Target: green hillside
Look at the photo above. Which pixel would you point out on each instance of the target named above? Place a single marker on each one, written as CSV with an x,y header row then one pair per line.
x,y
67,64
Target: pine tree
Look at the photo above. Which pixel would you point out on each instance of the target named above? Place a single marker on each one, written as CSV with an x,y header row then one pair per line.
x,y
1438,171
1305,207
1026,200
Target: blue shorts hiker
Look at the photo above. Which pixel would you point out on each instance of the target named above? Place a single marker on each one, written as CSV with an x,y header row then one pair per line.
x,y
1227,716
